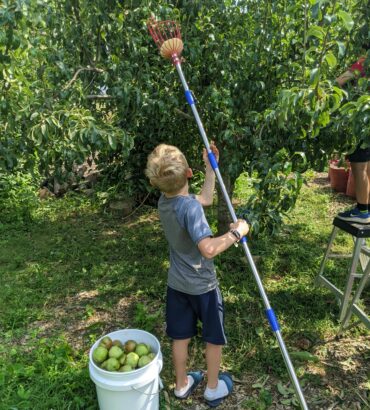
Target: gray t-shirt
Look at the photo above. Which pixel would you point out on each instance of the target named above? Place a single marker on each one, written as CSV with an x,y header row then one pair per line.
x,y
185,225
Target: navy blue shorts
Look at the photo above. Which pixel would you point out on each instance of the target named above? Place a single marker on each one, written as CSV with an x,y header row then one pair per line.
x,y
360,154
183,312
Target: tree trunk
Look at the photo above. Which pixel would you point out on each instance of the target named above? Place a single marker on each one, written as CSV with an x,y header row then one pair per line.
x,y
223,215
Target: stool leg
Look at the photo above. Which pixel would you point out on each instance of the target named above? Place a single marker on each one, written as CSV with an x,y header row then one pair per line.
x,y
350,278
331,240
359,290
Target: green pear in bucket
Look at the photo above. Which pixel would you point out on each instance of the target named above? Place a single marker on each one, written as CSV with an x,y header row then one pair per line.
x,y
141,349
122,359
125,368
115,351
112,364
132,359
144,360
100,354
106,342
130,346
117,343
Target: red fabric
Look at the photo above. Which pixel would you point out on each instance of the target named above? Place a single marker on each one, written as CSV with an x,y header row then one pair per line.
x,y
359,66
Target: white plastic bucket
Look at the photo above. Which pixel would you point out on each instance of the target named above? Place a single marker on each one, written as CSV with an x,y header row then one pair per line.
x,y
135,390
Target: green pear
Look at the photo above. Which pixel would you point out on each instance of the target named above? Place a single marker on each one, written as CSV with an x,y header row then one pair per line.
x,y
152,355
106,342
115,351
100,354
125,368
130,346
117,343
144,360
112,364
141,349
122,359
104,365
132,359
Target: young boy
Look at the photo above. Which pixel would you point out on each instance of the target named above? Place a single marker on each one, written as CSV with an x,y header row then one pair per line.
x,y
192,291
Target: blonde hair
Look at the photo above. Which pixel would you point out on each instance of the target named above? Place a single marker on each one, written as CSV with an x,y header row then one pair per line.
x,y
167,168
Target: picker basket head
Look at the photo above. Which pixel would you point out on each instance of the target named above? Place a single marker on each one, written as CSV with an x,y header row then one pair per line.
x,y
167,36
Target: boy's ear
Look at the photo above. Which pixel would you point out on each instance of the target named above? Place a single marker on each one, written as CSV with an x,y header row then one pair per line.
x,y
189,173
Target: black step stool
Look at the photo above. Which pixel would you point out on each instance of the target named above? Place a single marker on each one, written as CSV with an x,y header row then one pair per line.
x,y
361,253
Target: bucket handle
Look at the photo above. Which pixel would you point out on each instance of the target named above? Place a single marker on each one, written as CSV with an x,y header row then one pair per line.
x,y
161,387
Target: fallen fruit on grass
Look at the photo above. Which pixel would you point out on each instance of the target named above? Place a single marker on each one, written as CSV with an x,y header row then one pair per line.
x,y
115,351
100,354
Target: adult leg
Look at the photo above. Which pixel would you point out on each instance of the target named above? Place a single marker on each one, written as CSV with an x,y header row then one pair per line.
x,y
368,184
361,175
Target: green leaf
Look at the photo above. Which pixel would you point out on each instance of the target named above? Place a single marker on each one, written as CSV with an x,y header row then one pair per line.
x,y
341,49
112,141
305,356
316,31
282,389
314,76
347,19
331,59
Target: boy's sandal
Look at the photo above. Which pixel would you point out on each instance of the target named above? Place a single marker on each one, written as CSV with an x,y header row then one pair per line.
x,y
226,377
197,377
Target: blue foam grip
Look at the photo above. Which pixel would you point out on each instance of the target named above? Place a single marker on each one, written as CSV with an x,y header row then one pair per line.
x,y
272,319
244,239
212,160
189,97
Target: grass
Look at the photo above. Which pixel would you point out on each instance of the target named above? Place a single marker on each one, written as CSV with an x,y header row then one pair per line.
x,y
76,273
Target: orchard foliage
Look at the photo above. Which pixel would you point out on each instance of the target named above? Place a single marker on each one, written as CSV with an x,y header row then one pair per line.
x,y
83,79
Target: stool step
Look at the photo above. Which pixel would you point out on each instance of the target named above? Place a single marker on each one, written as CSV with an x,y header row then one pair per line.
x,y
349,296
357,230
339,255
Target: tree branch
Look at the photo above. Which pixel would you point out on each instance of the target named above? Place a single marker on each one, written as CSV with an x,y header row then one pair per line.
x,y
76,74
183,114
99,96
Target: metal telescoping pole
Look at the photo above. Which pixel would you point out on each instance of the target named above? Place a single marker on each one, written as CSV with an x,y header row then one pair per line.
x,y
269,311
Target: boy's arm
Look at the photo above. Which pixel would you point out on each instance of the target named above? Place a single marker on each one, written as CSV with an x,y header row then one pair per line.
x,y
206,194
211,247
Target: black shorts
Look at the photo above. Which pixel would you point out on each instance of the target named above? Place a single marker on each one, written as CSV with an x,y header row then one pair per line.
x,y
183,312
360,154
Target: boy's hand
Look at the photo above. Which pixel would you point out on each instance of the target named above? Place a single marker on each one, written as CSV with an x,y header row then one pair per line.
x,y
215,151
241,226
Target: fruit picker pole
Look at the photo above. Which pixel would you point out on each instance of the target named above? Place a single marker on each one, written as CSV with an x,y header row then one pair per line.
x,y
167,36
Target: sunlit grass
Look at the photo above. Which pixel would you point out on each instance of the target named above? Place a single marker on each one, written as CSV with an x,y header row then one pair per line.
x,y
76,272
